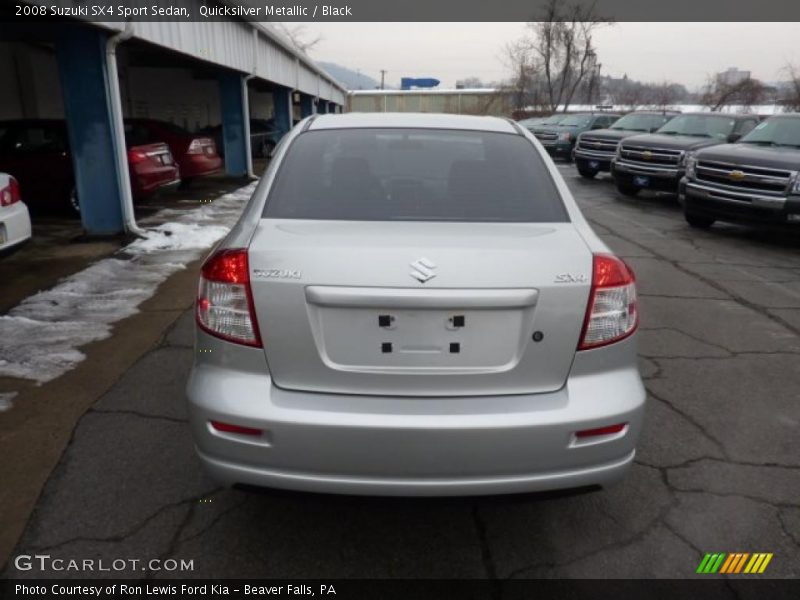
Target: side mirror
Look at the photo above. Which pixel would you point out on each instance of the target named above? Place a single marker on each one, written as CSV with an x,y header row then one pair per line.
x,y
734,137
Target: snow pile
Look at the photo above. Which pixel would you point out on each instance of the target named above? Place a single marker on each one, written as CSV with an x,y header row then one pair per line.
x,y
41,336
5,400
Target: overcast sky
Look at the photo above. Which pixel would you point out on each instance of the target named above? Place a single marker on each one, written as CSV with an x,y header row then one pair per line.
x,y
681,52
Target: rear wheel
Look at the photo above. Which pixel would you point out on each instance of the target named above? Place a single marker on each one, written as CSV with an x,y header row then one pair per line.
x,y
585,170
627,189
697,221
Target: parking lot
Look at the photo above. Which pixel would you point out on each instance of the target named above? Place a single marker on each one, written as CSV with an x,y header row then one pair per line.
x,y
717,468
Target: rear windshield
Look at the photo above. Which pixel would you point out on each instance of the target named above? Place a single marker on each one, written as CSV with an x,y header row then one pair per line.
x,y
414,175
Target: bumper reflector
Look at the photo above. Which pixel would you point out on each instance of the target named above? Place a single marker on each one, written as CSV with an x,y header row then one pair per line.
x,y
228,428
600,431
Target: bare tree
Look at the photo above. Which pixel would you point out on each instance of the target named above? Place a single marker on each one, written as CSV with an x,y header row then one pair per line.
x,y
298,36
744,93
562,49
663,95
523,83
791,94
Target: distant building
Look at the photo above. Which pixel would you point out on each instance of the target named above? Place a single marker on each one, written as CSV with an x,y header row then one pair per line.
x,y
486,101
733,76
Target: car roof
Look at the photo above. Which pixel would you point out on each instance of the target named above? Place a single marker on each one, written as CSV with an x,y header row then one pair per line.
x,y
357,120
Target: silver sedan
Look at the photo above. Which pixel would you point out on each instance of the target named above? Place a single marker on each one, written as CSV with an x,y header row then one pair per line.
x,y
414,305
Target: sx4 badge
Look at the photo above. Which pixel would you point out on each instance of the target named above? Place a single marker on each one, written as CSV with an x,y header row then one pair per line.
x,y
570,278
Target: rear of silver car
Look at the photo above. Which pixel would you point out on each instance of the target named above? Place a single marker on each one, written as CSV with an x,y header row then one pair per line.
x,y
413,305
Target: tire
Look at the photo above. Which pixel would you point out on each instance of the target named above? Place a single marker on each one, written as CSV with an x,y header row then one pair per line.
x,y
697,222
585,171
627,189
186,183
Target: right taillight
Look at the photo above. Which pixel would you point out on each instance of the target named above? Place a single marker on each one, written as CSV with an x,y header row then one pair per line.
x,y
613,310
224,299
10,194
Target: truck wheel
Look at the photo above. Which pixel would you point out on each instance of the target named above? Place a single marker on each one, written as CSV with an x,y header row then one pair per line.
x,y
585,171
627,189
697,221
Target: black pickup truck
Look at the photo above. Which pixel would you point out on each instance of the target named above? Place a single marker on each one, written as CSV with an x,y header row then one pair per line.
x,y
756,180
595,150
657,161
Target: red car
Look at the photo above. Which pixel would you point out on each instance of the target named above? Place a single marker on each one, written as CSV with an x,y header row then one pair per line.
x,y
196,155
36,152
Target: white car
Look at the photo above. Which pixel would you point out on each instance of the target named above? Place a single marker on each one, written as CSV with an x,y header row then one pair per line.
x,y
15,222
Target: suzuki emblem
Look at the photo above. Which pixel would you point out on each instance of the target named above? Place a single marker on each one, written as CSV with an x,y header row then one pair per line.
x,y
422,270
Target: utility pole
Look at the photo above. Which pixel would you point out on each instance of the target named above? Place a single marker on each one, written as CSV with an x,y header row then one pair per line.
x,y
383,74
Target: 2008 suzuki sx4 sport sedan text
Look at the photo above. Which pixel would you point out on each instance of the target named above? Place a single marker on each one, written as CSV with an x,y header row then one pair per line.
x,y
413,304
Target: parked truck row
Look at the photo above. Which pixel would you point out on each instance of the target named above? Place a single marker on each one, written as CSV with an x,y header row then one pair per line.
x,y
721,167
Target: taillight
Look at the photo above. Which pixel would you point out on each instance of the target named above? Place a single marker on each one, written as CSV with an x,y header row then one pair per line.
x,y
224,299
613,310
197,146
136,156
10,194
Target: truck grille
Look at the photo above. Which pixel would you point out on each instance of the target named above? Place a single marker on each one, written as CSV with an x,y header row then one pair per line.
x,y
546,136
758,180
597,145
650,156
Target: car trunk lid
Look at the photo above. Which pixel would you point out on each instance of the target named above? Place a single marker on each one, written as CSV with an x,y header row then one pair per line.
x,y
419,309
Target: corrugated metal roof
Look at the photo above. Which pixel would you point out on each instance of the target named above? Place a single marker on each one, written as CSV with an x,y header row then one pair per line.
x,y
247,46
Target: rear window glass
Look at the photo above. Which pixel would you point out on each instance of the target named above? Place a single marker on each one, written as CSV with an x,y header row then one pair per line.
x,y
414,175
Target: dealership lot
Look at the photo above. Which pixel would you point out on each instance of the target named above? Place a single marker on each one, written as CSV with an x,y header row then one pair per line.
x,y
717,469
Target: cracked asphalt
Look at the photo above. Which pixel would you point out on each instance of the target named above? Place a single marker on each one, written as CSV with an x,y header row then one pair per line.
x,y
718,466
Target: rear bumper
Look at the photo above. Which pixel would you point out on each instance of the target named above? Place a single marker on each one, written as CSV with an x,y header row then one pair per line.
x,y
147,183
15,225
419,446
197,165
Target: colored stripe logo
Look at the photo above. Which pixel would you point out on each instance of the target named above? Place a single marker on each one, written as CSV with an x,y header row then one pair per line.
x,y
735,563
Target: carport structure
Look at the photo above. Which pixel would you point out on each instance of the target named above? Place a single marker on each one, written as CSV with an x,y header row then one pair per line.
x,y
241,61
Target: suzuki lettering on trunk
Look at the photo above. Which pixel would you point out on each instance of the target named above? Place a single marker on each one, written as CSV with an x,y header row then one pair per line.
x,y
414,305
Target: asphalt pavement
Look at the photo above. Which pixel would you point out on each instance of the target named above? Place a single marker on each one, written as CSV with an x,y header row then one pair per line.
x,y
718,466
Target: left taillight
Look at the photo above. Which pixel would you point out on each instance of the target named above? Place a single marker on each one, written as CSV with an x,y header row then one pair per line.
x,y
224,299
198,145
10,194
613,310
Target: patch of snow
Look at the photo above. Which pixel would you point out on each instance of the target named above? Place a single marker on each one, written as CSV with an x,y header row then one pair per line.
x,y
41,335
5,400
